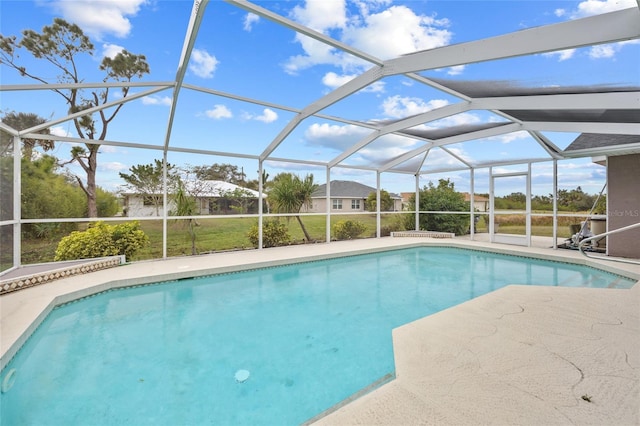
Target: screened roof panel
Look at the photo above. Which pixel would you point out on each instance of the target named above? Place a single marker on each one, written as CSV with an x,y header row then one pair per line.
x,y
577,115
319,140
501,88
439,158
509,147
382,150
445,132
388,100
252,67
373,85
208,122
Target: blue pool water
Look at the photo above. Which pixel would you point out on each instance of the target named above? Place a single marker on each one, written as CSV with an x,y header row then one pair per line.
x,y
309,336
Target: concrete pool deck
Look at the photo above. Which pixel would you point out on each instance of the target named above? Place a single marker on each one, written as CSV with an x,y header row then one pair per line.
x,y
519,355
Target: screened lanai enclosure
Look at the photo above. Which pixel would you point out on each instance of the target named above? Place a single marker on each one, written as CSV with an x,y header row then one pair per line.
x,y
490,106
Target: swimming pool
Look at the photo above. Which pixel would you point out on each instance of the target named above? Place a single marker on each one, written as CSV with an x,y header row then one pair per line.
x,y
309,335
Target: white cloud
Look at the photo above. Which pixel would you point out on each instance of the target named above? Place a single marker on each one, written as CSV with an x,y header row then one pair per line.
x,y
560,12
602,51
315,53
249,20
113,166
202,63
367,6
321,15
385,149
333,81
156,100
609,50
401,107
267,116
510,137
439,158
108,149
389,33
452,121
396,31
456,70
99,18
219,112
111,50
375,87
334,136
597,7
562,55
60,131
342,137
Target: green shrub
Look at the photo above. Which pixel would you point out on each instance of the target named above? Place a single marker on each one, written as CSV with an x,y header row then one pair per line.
x,y
441,198
274,233
395,225
101,240
348,229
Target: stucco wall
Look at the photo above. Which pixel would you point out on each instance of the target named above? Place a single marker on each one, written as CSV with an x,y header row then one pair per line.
x,y
623,204
320,206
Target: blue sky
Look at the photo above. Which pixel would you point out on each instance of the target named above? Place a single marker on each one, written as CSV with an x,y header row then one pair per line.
x,y
248,56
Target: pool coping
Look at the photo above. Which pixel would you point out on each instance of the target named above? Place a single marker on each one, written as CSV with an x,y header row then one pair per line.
x,y
23,311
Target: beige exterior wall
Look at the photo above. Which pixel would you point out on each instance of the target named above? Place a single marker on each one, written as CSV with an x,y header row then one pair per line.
x,y
320,206
623,204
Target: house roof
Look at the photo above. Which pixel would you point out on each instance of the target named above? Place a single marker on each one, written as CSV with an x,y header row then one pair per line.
x,y
215,189
346,189
627,144
476,197
218,188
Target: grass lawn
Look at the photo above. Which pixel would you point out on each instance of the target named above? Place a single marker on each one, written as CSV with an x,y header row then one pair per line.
x,y
230,233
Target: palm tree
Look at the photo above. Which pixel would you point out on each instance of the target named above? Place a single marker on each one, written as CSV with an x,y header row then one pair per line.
x,y
186,206
22,121
289,193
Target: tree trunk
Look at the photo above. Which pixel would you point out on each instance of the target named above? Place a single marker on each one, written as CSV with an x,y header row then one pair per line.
x,y
92,205
192,232
304,230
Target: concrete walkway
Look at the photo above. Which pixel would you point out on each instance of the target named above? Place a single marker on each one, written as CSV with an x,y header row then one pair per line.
x,y
520,355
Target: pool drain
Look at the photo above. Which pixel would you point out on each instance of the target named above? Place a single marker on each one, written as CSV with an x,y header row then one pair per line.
x,y
241,376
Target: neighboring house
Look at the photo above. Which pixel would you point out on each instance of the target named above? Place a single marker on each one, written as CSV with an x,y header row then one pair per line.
x,y
480,202
212,197
406,198
346,196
